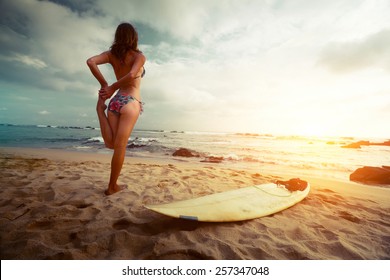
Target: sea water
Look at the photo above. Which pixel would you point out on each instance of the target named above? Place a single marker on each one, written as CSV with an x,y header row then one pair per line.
x,y
259,153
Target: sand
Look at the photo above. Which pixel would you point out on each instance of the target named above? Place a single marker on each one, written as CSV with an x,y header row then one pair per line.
x,y
52,206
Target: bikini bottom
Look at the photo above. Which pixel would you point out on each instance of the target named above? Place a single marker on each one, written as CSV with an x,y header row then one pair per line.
x,y
120,100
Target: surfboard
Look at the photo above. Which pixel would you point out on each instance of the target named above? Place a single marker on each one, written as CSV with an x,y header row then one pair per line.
x,y
235,205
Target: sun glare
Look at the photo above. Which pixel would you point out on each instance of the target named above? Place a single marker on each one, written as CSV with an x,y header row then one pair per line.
x,y
317,129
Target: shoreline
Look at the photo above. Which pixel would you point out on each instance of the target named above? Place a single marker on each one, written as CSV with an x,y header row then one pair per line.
x,y
52,207
79,156
271,154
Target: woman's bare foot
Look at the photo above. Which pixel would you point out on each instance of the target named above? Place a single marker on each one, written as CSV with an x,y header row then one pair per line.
x,y
115,189
101,106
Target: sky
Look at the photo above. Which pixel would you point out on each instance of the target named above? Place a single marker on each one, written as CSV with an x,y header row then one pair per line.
x,y
299,67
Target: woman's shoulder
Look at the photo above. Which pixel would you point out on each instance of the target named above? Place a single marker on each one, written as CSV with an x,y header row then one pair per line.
x,y
139,55
130,58
110,55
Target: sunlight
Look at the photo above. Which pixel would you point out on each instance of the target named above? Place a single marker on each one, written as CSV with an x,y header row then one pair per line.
x,y
315,129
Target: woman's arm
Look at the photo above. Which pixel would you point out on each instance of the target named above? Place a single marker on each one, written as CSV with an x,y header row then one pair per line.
x,y
138,63
107,91
93,63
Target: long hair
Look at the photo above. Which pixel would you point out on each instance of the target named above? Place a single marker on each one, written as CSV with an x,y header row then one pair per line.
x,y
126,38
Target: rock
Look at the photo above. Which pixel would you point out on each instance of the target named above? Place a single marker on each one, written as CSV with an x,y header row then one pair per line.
x,y
386,143
183,152
352,146
133,146
357,145
371,175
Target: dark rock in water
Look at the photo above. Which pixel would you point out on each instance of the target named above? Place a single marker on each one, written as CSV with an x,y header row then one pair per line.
x,y
213,159
371,175
183,152
352,146
357,145
133,146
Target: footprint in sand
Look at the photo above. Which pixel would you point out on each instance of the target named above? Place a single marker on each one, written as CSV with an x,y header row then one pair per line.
x,y
184,254
349,217
41,225
156,227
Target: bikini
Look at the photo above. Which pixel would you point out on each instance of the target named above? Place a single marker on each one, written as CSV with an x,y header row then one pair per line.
x,y
121,99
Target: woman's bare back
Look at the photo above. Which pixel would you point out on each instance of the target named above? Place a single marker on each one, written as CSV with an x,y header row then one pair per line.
x,y
122,68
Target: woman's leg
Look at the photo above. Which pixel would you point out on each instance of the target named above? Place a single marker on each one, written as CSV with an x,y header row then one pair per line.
x,y
127,119
105,127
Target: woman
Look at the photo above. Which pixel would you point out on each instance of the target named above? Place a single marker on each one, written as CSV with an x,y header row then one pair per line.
x,y
125,107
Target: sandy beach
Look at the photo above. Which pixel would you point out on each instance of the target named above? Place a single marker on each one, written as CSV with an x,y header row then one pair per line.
x,y
53,206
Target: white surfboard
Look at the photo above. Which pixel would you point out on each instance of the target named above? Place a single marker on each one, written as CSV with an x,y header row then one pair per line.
x,y
235,205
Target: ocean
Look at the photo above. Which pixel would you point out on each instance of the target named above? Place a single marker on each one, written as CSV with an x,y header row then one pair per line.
x,y
260,153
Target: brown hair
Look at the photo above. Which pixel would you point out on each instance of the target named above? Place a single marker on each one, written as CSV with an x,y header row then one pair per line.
x,y
126,38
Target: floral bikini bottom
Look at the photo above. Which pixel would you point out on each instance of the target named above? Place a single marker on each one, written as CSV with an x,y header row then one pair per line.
x,y
120,100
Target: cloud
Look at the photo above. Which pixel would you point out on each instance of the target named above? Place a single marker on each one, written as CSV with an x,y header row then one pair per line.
x,y
200,22
218,64
28,60
183,19
372,51
21,98
44,112
51,38
56,37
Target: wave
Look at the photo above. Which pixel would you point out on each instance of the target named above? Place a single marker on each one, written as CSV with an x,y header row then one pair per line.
x,y
254,135
151,130
217,158
42,125
206,133
65,127
64,140
97,139
78,127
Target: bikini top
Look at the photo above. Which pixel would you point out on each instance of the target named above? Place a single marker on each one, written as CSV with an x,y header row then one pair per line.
x,y
143,73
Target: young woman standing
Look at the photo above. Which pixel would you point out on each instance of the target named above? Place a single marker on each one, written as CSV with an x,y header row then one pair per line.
x,y
124,108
